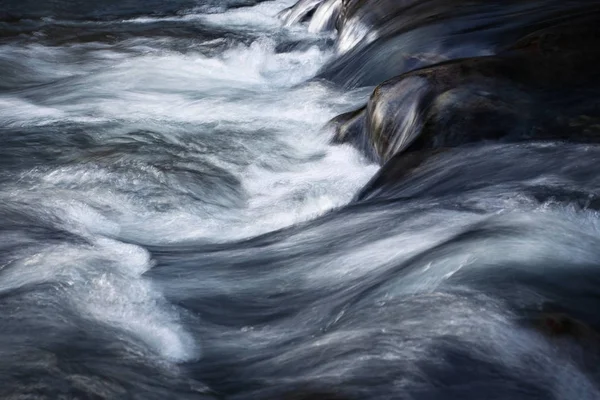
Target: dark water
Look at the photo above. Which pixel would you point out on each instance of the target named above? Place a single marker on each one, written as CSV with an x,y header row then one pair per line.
x,y
175,223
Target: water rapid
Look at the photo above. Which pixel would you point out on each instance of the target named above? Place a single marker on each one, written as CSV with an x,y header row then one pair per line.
x,y
178,221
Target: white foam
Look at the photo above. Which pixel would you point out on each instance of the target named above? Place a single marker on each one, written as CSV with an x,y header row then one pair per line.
x,y
302,193
353,33
246,89
18,112
287,170
260,17
104,282
175,87
130,302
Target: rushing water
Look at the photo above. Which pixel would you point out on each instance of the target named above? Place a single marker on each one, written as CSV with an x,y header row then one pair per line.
x,y
175,224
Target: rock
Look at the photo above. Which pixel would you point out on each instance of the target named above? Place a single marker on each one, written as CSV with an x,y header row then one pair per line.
x,y
300,12
375,36
349,128
326,16
546,86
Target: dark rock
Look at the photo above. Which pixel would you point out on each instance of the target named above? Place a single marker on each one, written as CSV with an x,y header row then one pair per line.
x,y
299,12
349,128
546,86
379,39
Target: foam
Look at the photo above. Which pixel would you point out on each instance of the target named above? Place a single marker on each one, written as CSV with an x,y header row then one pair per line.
x,y
249,90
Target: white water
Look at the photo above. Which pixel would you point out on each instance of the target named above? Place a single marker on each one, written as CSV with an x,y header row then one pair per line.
x,y
180,145
242,111
182,97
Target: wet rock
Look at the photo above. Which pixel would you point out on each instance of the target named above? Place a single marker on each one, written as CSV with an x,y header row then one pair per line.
x,y
326,16
299,12
349,128
381,39
556,325
544,87
564,330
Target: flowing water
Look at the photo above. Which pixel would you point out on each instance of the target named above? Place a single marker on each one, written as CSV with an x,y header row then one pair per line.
x,y
175,224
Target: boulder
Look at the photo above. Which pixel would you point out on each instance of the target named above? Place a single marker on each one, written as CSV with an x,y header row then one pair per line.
x,y
380,39
545,86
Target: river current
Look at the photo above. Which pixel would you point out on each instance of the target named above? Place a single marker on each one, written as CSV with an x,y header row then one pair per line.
x,y
176,223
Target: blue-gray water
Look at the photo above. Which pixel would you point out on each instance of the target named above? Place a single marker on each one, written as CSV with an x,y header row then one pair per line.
x,y
175,224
